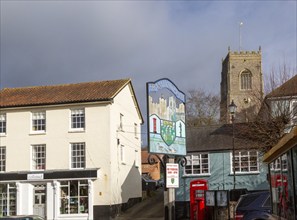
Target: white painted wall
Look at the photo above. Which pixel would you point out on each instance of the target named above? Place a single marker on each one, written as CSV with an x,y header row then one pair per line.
x,y
102,151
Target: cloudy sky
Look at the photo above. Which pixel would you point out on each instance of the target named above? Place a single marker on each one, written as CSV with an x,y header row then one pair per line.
x,y
57,42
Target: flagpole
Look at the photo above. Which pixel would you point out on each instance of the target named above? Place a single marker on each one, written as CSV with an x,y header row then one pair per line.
x,y
240,25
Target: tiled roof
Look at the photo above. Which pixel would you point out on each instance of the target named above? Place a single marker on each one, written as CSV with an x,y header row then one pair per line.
x,y
61,94
217,138
289,88
145,155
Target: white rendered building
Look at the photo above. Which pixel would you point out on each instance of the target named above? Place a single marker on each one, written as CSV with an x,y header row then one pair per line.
x,y
70,151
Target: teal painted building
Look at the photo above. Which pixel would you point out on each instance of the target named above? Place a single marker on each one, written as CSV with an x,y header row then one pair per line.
x,y
209,157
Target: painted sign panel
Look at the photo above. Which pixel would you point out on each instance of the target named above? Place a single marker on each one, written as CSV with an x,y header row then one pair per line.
x,y
172,180
166,118
35,176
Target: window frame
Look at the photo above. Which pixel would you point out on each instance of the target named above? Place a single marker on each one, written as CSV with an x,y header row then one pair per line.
x,y
81,164
3,124
200,158
82,122
240,161
41,165
10,199
246,80
66,185
2,159
39,122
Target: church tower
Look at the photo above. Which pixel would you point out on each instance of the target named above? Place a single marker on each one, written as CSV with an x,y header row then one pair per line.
x,y
241,81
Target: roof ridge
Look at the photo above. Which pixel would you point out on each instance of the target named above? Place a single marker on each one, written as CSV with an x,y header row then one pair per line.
x,y
66,84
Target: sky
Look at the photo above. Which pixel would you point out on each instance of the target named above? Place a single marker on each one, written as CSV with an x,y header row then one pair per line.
x,y
60,42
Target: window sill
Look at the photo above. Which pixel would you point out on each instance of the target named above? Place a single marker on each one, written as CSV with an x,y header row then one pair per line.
x,y
245,173
36,171
77,131
37,133
79,216
2,134
194,175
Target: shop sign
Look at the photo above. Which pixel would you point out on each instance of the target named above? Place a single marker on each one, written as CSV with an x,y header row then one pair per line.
x,y
35,176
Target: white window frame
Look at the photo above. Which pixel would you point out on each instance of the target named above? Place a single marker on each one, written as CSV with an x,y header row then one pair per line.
x,y
37,116
3,124
78,113
66,196
197,160
281,163
2,159
9,197
239,156
81,147
39,157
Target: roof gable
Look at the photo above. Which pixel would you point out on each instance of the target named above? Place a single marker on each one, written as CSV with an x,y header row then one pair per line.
x,y
289,88
61,94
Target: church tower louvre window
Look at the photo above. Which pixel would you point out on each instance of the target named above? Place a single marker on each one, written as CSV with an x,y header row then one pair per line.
x,y
241,81
245,80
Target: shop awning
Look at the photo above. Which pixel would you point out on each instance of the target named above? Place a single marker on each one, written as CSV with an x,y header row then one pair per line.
x,y
286,143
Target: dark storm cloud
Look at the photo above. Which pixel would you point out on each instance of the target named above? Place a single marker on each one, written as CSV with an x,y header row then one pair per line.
x,y
54,42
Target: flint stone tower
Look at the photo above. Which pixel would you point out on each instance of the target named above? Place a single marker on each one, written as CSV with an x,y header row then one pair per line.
x,y
241,81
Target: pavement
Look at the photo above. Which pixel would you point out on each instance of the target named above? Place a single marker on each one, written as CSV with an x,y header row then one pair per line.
x,y
150,208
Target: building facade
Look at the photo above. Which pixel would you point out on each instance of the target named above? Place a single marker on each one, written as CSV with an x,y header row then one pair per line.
x,y
282,158
241,81
70,151
282,162
210,158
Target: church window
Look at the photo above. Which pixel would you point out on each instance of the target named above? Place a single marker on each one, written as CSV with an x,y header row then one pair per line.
x,y
246,80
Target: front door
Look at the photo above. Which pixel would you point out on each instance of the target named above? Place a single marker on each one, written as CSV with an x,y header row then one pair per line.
x,y
39,200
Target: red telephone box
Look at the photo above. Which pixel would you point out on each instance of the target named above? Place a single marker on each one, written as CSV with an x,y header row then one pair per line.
x,y
197,205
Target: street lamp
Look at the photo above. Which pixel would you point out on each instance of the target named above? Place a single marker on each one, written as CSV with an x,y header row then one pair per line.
x,y
232,110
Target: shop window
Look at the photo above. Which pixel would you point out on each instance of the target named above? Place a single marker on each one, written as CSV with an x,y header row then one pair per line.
x,y
2,159
281,181
7,199
74,197
197,164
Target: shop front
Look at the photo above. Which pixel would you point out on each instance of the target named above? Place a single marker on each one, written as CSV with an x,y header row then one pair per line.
x,y
43,194
282,161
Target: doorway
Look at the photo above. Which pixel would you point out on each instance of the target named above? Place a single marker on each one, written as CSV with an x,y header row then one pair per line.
x,y
39,204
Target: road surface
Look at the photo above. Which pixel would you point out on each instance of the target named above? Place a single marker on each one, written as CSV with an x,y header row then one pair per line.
x,y
150,208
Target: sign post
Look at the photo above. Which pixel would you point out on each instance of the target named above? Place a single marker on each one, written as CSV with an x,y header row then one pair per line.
x,y
167,133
